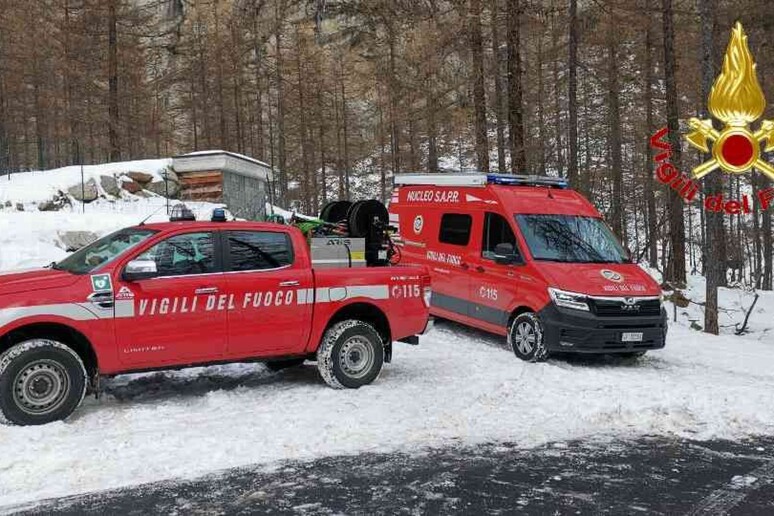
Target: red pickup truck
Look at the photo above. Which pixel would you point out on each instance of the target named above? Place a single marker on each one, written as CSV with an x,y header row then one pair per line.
x,y
181,294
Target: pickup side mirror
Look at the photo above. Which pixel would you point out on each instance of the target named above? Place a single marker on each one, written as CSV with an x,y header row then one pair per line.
x,y
139,270
506,254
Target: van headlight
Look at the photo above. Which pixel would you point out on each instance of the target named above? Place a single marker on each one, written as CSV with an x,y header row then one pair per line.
x,y
566,299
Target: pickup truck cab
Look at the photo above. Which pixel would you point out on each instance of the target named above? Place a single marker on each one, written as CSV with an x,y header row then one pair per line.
x,y
180,294
527,258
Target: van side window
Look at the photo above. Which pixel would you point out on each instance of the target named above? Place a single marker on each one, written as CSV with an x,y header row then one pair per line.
x,y
496,231
455,229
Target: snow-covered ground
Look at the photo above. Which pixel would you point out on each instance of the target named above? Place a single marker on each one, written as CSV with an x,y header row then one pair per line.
x,y
459,387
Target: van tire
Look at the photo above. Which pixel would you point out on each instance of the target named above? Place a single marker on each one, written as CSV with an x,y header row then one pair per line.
x,y
351,355
527,339
279,365
52,368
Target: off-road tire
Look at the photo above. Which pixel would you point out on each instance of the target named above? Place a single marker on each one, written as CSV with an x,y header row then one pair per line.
x,y
527,325
279,365
47,363
342,345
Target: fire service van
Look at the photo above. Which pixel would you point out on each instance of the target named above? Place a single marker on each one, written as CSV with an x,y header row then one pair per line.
x,y
179,294
525,257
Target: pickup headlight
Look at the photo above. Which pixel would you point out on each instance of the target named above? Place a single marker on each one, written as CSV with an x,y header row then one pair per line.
x,y
566,299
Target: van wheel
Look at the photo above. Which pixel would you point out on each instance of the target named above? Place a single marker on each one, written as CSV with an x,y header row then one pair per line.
x,y
351,355
279,365
41,381
525,337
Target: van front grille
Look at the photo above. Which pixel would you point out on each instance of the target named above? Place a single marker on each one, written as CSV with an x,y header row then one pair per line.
x,y
621,308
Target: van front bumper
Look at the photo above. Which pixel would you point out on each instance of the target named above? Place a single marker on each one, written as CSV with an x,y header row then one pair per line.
x,y
575,331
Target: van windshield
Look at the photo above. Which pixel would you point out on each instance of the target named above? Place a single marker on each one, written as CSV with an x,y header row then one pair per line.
x,y
102,251
567,238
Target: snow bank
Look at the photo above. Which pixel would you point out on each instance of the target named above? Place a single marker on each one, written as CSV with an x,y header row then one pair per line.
x,y
457,387
38,186
31,238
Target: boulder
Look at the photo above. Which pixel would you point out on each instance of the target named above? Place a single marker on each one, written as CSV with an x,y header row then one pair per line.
x,y
158,187
73,240
110,185
57,203
131,187
19,206
88,193
8,204
171,175
140,177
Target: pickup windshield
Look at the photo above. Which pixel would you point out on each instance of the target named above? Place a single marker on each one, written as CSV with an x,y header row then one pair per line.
x,y
571,239
102,251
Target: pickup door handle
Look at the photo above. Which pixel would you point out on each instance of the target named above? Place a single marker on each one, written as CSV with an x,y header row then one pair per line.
x,y
480,269
206,290
291,283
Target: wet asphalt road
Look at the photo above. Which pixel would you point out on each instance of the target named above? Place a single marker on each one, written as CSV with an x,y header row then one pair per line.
x,y
649,476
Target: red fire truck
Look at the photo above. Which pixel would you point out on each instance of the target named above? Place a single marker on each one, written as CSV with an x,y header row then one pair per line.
x,y
526,257
180,294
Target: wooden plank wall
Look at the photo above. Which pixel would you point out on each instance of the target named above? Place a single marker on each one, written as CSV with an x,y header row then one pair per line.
x,y
202,186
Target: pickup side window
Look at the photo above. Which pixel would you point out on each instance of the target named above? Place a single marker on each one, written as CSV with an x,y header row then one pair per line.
x,y
496,231
182,255
455,229
259,250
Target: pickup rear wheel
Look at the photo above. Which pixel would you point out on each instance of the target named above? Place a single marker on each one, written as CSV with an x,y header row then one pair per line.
x,y
351,355
526,338
41,381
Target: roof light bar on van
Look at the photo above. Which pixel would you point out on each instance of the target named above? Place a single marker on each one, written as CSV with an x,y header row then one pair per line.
x,y
478,179
520,180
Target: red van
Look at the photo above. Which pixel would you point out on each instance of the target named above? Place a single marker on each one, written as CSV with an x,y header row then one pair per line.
x,y
526,257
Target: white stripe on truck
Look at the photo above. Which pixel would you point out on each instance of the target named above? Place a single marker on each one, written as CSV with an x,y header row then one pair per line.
x,y
334,294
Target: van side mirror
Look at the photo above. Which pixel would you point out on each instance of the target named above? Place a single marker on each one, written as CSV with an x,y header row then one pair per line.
x,y
139,270
506,254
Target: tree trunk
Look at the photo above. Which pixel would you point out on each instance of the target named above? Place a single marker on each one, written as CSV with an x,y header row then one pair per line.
x,y
115,147
479,96
715,263
498,84
281,157
675,272
515,108
614,126
572,104
650,195
558,144
257,46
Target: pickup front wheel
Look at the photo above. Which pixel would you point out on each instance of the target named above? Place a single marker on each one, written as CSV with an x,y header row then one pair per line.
x,y
351,355
41,381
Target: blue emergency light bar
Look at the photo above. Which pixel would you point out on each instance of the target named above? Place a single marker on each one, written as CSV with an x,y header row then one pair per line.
x,y
521,180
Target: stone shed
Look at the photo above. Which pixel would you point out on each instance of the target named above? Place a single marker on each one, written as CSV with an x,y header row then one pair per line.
x,y
240,182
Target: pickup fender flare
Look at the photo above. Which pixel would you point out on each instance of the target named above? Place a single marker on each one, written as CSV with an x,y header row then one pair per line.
x,y
358,308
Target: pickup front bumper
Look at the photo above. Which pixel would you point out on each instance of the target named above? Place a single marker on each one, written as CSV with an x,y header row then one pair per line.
x,y
575,331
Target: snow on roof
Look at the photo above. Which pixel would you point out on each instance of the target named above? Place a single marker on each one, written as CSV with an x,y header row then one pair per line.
x,y
221,160
215,152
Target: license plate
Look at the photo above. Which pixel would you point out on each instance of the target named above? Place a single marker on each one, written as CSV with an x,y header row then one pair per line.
x,y
631,337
